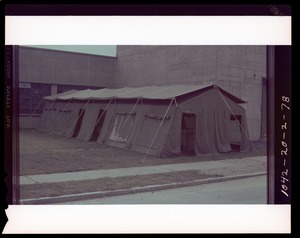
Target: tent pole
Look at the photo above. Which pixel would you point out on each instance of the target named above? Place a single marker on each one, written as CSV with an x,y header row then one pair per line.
x,y
56,119
79,115
36,108
102,114
173,99
46,113
238,122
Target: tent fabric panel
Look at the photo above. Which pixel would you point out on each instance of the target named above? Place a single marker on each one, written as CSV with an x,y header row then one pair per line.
x,y
69,130
52,116
63,114
222,123
89,121
172,145
106,124
148,131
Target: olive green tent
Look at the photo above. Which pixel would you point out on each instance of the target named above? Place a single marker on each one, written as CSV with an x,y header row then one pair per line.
x,y
163,121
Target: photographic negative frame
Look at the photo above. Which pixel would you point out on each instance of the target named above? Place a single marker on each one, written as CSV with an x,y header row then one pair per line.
x,y
279,101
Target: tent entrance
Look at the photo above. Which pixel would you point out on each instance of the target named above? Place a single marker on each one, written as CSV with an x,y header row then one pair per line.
x,y
188,133
99,124
78,123
235,132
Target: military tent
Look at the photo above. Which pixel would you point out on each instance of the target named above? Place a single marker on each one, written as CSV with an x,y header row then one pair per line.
x,y
163,121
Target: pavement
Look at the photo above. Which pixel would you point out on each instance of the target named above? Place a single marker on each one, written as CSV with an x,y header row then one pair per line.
x,y
204,166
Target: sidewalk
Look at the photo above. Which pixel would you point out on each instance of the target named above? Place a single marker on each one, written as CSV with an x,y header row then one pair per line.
x,y
228,169
205,166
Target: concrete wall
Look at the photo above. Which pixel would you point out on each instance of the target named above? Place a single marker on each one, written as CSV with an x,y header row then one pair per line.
x,y
237,69
165,65
60,67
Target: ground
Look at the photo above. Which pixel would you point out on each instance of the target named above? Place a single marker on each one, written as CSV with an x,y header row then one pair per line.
x,y
42,153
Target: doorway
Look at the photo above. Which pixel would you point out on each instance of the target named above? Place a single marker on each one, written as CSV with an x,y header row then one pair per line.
x,y
188,133
78,123
98,126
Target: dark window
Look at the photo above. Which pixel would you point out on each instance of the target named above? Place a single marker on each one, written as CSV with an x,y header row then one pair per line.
x,y
30,97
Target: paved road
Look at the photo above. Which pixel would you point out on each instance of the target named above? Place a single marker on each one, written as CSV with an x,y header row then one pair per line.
x,y
243,191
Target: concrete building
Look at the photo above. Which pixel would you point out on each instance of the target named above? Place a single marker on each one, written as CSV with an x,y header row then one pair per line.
x,y
241,70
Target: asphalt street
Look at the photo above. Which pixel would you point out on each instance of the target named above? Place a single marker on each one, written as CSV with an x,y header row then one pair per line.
x,y
242,191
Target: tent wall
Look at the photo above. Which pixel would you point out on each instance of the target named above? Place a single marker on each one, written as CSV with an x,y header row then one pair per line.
x,y
140,125
237,110
89,120
62,117
202,106
152,127
71,123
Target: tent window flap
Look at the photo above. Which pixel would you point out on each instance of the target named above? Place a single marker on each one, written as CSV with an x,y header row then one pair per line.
x,y
122,127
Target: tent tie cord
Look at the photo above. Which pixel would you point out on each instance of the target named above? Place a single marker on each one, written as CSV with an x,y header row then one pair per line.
x,y
238,122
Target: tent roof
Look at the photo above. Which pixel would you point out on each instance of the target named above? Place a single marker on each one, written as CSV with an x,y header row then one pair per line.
x,y
56,96
146,92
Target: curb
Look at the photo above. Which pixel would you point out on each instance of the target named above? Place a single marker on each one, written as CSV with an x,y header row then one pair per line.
x,y
150,188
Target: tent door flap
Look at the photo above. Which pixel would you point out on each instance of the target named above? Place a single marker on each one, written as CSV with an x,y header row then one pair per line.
x,y
188,133
235,132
